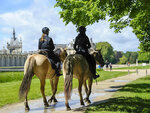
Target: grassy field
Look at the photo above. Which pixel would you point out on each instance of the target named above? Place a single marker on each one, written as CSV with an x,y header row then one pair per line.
x,y
11,76
133,98
12,67
10,83
135,67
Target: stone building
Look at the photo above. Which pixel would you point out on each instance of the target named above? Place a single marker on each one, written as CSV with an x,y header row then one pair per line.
x,y
13,56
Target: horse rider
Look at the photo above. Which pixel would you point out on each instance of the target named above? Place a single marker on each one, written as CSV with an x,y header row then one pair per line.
x,y
46,45
81,46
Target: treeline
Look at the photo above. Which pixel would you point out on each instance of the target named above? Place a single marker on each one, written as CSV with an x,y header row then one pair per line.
x,y
119,56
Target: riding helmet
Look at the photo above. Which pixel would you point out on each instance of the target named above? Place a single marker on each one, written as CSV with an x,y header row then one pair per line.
x,y
45,30
82,29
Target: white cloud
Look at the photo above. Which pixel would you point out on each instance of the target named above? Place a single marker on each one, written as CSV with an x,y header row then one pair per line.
x,y
124,41
29,22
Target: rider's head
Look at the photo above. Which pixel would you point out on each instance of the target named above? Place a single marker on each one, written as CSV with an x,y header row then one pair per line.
x,y
45,30
82,29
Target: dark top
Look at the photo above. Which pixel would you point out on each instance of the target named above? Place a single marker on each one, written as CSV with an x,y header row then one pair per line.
x,y
82,42
47,44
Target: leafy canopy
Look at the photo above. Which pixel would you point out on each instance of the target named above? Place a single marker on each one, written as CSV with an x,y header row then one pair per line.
x,y
144,56
106,50
122,13
123,60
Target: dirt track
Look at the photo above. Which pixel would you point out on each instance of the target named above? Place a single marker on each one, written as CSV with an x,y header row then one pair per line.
x,y
100,93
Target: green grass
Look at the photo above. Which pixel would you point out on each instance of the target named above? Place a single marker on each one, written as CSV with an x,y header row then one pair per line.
x,y
10,83
133,98
134,67
10,76
109,74
12,67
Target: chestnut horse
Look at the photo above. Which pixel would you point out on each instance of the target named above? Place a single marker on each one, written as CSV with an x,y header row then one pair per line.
x,y
40,66
76,66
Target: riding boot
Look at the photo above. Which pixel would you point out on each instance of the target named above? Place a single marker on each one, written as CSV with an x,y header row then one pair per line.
x,y
95,76
94,73
57,73
57,69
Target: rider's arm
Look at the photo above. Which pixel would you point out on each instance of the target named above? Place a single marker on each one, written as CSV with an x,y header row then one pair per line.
x,y
88,42
51,45
75,44
40,43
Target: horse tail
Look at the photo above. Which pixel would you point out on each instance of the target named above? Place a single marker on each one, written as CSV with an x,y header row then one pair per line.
x,y
68,78
28,74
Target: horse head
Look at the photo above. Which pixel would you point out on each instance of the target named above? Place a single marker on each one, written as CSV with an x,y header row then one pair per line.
x,y
61,53
98,57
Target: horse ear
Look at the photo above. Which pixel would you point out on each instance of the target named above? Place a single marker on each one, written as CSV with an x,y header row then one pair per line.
x,y
65,48
99,51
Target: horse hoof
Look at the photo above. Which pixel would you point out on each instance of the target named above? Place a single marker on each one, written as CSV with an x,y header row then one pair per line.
x,y
88,101
46,105
82,103
27,108
85,99
68,109
55,101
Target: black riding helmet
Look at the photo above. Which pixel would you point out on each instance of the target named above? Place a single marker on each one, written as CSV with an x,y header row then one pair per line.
x,y
45,30
82,29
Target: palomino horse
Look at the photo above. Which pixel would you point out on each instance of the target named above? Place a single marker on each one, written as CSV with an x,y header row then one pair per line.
x,y
40,66
76,66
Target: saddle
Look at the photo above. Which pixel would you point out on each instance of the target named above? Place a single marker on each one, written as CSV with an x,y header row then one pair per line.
x,y
88,58
45,53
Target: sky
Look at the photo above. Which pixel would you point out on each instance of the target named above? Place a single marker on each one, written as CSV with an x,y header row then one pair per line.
x,y
28,17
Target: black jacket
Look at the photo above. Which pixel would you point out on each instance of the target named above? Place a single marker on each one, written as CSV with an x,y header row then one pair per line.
x,y
82,42
47,44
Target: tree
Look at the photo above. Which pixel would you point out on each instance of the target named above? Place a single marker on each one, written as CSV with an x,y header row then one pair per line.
x,y
118,54
106,50
123,60
122,13
131,56
144,56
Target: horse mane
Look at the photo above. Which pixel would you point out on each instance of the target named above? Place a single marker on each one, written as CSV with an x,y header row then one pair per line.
x,y
92,52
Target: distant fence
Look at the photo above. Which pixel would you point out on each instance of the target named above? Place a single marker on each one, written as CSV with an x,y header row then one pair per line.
x,y
11,69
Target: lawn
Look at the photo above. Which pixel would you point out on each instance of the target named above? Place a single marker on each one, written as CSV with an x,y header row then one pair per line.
x,y
133,98
12,67
135,67
10,83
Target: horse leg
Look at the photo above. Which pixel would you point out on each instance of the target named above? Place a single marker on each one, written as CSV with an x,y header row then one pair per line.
x,y
89,91
55,89
54,84
52,87
86,90
80,92
26,104
67,104
43,93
